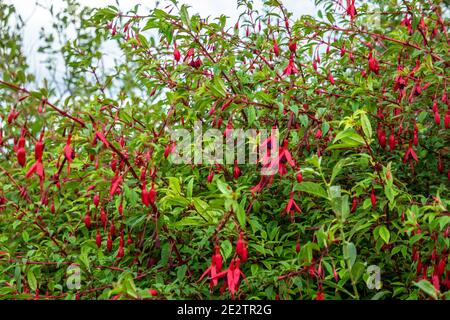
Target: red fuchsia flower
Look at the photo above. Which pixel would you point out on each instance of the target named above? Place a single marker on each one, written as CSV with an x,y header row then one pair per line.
x,y
343,50
233,275
103,217
330,78
228,129
437,118
20,151
290,68
272,163
145,194
241,248
292,46
189,54
176,53
373,64
416,135
226,104
416,91
440,165
87,219
335,274
68,153
297,246
410,153
39,148
381,135
210,176
373,198
276,49
351,9
115,184
152,194
407,22
214,268
320,295
299,177
354,204
98,239
236,170
263,182
292,206
447,120
318,134
96,199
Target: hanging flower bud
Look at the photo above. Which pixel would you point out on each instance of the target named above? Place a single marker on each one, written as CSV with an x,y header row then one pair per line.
x,y
373,198
39,148
292,46
103,217
330,78
299,177
120,208
130,239
440,165
354,204
236,170
241,248
152,194
446,120
437,118
392,141
112,227
373,64
96,200
21,156
87,219
176,53
210,176
276,49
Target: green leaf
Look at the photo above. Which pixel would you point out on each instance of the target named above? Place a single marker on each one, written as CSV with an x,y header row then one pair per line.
x,y
428,288
240,215
350,137
223,187
366,126
31,280
181,272
349,251
184,15
384,234
311,188
227,249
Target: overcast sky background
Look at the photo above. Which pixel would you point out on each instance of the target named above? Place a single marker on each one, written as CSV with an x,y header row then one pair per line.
x,y
37,17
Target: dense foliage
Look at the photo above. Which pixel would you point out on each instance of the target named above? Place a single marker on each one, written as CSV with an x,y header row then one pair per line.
x,y
359,96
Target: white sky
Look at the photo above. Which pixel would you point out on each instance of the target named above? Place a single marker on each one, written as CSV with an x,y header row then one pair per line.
x,y
37,17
